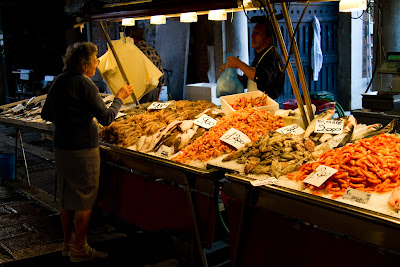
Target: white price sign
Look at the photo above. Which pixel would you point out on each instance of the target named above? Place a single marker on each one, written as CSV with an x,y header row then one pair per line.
x,y
235,138
205,121
268,181
292,128
158,105
165,151
329,126
321,174
357,195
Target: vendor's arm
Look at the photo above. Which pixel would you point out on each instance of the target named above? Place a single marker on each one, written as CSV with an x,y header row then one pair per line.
x,y
234,62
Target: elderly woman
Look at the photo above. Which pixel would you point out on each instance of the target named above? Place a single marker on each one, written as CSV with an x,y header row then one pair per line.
x,y
72,102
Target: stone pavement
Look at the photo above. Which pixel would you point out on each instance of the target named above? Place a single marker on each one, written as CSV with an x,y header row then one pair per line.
x,y
30,228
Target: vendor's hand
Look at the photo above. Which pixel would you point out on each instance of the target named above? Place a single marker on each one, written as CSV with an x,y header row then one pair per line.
x,y
124,92
233,62
222,68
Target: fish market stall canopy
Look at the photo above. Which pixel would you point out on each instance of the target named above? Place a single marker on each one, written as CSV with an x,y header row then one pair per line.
x,y
139,10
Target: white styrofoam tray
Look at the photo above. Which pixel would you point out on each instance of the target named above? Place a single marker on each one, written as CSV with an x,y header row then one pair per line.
x,y
226,101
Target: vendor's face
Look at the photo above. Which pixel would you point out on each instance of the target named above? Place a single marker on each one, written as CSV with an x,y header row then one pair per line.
x,y
259,40
91,66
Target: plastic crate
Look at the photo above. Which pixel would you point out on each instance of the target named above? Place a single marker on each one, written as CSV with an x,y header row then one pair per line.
x,y
321,105
226,102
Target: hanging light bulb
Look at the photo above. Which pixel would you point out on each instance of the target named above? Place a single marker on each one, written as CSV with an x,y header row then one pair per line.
x,y
219,14
352,5
128,22
159,19
189,17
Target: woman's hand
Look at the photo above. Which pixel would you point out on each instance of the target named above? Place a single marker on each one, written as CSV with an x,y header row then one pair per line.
x,y
125,91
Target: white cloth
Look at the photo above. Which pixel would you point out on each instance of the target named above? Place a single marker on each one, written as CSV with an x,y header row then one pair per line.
x,y
316,51
140,71
251,86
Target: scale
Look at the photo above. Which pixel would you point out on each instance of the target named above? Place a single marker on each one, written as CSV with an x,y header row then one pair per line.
x,y
386,100
391,66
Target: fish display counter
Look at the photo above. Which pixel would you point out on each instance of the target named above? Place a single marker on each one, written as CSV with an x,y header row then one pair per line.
x,y
158,194
166,160
269,220
25,114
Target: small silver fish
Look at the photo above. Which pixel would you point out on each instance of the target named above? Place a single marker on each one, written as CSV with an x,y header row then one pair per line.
x,y
364,131
387,129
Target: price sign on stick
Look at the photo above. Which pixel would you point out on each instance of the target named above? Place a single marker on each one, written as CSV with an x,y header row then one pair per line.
x,y
165,151
159,105
356,195
321,174
292,128
205,121
329,126
235,138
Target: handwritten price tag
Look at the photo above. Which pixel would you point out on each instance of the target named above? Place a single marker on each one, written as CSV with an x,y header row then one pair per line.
x,y
205,121
268,181
329,126
235,138
159,105
321,174
357,196
292,128
165,151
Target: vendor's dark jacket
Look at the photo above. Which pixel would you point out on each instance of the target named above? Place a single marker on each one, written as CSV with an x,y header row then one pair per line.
x,y
71,104
269,77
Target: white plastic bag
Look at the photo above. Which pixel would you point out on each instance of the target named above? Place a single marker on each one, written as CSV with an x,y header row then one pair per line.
x,y
140,71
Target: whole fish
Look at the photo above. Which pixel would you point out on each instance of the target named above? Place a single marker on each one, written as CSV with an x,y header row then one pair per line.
x,y
326,115
387,129
347,135
359,133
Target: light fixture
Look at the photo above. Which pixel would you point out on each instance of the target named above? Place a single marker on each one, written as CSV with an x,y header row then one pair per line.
x,y
189,17
247,3
159,19
352,5
128,22
219,14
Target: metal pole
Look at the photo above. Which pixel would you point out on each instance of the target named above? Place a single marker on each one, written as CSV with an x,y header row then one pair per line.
x,y
289,68
117,59
195,224
19,136
296,55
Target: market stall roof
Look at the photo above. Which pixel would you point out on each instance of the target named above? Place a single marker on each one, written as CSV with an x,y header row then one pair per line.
x,y
111,9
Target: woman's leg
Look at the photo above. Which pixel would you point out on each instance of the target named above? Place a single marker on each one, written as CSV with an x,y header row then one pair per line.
x,y
82,219
67,220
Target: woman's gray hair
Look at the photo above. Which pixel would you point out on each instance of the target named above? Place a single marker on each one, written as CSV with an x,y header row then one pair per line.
x,y
77,56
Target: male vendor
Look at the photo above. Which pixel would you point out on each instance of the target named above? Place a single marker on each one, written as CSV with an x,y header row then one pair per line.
x,y
266,71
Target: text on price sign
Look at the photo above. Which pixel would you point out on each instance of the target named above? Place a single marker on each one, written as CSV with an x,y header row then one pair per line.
x,y
291,129
205,121
235,138
159,105
329,126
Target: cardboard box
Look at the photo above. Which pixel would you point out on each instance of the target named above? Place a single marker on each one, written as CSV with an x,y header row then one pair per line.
x,y
203,91
226,102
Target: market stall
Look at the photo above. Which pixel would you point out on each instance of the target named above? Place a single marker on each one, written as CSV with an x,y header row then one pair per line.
x,y
155,175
